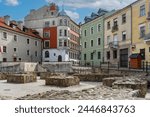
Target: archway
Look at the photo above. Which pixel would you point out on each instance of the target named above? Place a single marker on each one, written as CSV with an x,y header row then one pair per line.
x,y
59,58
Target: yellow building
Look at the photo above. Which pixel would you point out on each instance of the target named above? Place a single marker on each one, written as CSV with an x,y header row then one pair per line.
x,y
141,28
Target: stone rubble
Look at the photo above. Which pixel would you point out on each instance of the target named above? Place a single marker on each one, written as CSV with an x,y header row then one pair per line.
x,y
98,93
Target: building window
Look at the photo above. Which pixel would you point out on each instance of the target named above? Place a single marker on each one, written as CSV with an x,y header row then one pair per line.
x,y
85,33
124,36
15,49
123,18
36,54
116,22
60,32
84,44
36,43
47,23
46,34
65,22
108,40
4,35
28,41
92,56
15,37
84,56
46,54
65,32
91,43
115,54
4,59
99,27
60,43
61,22
46,44
99,41
52,13
142,31
108,25
65,43
19,59
142,10
142,52
92,30
4,49
108,55
28,52
99,55
53,23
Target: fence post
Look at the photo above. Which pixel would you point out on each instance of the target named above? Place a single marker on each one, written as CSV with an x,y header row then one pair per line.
x,y
118,66
100,65
146,67
108,67
143,66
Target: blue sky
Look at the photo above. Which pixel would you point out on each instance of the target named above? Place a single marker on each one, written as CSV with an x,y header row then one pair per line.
x,y
76,9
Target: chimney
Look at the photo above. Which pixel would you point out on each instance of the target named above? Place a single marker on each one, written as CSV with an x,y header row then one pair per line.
x,y
20,24
7,19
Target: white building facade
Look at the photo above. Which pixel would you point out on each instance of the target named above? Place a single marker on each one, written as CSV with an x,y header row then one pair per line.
x,y
17,43
60,34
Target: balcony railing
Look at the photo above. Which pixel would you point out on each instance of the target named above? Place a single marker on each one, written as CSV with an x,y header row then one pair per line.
x,y
114,44
148,17
115,28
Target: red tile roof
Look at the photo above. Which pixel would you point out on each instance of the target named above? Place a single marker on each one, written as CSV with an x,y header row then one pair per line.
x,y
29,32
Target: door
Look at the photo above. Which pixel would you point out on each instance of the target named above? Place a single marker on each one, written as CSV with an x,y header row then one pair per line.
x,y
15,59
124,58
59,58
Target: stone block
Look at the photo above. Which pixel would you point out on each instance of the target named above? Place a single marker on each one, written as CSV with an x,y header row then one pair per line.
x,y
62,81
108,81
135,84
3,76
21,78
95,77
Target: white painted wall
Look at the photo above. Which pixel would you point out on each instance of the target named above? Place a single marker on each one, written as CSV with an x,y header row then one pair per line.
x,y
21,45
57,52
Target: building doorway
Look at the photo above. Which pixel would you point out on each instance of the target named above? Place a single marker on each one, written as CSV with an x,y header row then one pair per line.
x,y
59,58
15,59
124,58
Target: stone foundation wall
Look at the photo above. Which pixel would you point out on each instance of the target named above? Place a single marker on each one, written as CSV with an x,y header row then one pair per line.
x,y
95,77
62,81
21,78
135,85
3,76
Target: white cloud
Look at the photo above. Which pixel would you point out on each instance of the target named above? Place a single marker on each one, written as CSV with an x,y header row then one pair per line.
x,y
94,4
72,15
12,2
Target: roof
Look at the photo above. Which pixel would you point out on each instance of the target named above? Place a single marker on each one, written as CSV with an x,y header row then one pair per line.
x,y
30,32
134,56
63,13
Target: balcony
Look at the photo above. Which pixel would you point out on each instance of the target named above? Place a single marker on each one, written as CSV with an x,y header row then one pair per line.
x,y
114,45
115,28
148,17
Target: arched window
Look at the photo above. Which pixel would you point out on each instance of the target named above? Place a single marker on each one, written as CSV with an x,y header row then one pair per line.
x,y
61,22
65,22
46,54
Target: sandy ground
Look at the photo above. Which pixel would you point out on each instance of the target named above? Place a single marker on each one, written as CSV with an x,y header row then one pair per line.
x,y
13,91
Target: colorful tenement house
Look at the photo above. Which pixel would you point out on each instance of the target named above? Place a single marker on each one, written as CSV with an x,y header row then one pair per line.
x,y
60,34
117,41
141,28
92,39
18,43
